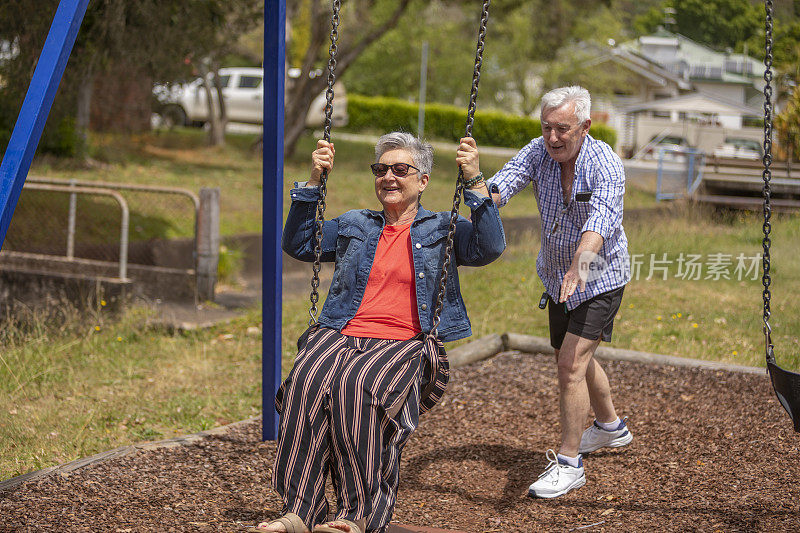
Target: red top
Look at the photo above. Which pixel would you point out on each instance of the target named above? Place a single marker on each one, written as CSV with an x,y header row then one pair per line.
x,y
389,307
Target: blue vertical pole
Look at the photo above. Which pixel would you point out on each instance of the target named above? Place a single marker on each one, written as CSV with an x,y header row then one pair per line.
x,y
36,106
274,64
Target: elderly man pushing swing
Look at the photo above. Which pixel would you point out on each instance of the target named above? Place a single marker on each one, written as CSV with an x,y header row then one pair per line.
x,y
584,265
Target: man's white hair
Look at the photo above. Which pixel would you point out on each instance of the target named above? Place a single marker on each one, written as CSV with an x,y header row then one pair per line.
x,y
564,95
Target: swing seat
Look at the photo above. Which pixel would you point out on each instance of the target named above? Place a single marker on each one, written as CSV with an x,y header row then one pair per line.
x,y
787,389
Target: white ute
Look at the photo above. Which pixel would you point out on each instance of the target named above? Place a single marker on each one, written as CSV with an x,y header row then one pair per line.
x,y
243,91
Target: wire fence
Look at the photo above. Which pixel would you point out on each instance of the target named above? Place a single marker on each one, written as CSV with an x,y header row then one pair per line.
x,y
106,222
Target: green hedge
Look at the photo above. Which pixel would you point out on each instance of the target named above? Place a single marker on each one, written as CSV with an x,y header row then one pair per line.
x,y
491,128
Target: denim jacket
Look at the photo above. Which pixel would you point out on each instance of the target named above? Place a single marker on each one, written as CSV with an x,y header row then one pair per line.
x,y
352,238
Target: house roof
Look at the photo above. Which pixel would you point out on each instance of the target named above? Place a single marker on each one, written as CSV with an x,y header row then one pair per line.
x,y
689,59
641,66
696,103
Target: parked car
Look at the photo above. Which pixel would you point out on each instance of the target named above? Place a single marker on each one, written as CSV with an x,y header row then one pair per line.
x,y
674,147
737,148
243,91
673,143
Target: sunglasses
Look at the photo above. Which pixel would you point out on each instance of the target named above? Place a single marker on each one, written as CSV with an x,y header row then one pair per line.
x,y
398,169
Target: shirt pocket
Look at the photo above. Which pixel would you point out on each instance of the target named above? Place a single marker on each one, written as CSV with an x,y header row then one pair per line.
x,y
349,244
432,245
580,213
349,241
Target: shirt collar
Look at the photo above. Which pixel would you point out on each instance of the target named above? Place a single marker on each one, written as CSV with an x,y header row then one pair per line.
x,y
422,214
582,153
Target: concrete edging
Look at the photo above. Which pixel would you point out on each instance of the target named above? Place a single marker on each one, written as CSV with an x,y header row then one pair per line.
x,y
471,352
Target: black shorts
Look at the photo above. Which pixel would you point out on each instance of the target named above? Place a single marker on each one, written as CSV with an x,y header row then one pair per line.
x,y
592,319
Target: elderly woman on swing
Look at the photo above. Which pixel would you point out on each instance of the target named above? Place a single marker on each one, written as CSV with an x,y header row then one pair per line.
x,y
371,365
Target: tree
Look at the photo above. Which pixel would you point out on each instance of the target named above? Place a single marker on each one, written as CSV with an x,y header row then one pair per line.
x,y
720,24
236,19
531,58
787,128
362,23
116,35
786,44
518,54
450,32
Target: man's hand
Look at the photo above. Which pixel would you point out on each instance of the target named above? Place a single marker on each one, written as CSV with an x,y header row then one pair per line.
x,y
572,280
321,159
587,251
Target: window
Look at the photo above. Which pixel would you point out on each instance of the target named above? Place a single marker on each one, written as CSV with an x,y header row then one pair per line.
x,y
249,82
698,71
224,81
732,65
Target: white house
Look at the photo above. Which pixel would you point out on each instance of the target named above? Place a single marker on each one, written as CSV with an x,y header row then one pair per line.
x,y
678,87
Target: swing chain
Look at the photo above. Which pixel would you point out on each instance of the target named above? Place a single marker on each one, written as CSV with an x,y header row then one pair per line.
x,y
323,189
473,99
767,176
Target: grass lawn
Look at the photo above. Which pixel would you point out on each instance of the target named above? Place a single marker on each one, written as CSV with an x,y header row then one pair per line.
x,y
178,159
103,382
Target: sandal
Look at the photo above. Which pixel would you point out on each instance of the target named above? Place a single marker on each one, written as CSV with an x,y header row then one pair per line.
x,y
355,527
292,523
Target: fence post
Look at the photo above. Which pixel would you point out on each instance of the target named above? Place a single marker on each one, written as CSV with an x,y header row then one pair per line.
x,y
207,243
73,205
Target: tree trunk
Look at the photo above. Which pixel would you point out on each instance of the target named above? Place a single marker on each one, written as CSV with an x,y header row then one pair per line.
x,y
296,109
217,117
218,135
83,113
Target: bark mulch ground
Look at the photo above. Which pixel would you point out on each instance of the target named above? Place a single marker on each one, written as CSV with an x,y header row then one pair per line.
x,y
712,451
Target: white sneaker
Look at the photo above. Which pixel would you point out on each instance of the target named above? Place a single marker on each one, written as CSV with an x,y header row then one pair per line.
x,y
557,479
596,437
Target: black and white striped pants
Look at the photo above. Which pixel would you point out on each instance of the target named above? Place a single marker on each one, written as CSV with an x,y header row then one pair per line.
x,y
348,407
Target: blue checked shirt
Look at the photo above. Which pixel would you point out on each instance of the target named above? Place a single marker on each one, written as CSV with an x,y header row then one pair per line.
x,y
595,205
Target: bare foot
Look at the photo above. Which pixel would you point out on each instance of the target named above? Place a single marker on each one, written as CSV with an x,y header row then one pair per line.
x,y
344,527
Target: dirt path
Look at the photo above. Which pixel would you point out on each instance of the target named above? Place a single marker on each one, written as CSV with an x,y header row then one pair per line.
x,y
712,451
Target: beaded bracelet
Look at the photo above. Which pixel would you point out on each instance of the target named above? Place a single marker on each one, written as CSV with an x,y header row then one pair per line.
x,y
470,183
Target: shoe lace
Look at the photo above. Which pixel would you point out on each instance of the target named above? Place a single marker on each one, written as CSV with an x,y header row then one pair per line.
x,y
552,465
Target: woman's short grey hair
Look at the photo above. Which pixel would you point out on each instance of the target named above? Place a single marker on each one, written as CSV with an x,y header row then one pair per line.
x,y
421,152
564,95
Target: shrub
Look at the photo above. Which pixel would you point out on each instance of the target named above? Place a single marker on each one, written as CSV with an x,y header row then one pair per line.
x,y
229,265
491,128
604,132
62,140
